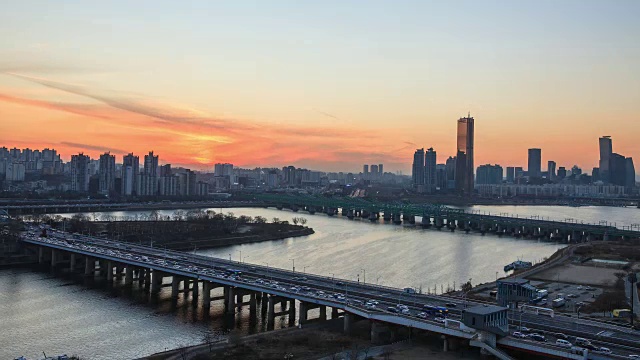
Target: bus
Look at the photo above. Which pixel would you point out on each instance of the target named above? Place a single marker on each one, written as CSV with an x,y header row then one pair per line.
x,y
436,310
537,310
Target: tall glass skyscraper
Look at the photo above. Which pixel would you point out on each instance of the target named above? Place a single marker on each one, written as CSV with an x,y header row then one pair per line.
x,y
464,156
535,163
606,149
417,173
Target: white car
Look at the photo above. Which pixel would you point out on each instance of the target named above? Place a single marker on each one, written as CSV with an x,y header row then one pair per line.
x,y
519,335
564,343
603,350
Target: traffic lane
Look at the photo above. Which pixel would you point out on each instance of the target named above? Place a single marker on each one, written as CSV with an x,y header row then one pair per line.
x,y
585,327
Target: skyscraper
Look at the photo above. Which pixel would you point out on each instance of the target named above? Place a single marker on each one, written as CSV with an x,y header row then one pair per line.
x,y
107,173
535,163
80,173
151,164
417,173
130,170
606,149
365,169
374,170
551,170
489,174
430,171
380,169
464,156
147,183
450,168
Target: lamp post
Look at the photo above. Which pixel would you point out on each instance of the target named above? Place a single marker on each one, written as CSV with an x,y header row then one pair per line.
x,y
632,278
229,257
364,276
240,251
293,264
304,269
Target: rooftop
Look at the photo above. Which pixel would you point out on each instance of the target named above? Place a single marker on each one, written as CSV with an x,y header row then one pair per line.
x,y
485,309
514,281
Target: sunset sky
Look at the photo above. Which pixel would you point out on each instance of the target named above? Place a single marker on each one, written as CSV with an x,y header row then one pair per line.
x,y
327,85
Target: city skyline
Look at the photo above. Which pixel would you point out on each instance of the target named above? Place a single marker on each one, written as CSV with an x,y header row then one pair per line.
x,y
265,90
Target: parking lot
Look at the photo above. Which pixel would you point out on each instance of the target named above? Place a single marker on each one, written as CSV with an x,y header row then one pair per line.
x,y
574,294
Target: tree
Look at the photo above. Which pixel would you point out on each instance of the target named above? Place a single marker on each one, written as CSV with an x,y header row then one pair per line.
x,y
154,215
275,220
303,221
295,221
260,220
466,287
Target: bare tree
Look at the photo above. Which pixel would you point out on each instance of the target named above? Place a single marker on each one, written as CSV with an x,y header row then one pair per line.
x,y
209,338
295,221
302,221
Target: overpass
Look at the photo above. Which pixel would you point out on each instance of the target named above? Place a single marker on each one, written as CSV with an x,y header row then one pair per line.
x,y
280,292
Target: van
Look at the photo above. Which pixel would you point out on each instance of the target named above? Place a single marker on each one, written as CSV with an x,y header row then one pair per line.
x,y
563,343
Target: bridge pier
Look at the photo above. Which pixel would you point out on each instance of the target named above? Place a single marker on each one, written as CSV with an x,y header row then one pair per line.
x,y
263,305
195,292
373,216
396,219
54,258
128,275
253,307
206,295
231,306
271,313
350,214
292,312
109,269
302,313
72,262
386,216
156,282
40,254
175,288
89,266
426,221
323,312
348,323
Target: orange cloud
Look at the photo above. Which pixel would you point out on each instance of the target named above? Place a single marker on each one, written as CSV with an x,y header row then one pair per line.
x,y
123,124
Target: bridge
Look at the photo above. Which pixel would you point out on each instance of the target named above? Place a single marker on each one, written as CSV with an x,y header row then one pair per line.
x,y
439,217
290,294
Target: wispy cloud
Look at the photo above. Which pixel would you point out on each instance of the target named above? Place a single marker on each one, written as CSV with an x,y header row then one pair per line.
x,y
92,147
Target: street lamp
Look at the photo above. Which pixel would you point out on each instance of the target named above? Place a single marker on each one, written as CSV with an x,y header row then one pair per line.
x,y
378,278
304,269
293,264
364,276
229,257
240,251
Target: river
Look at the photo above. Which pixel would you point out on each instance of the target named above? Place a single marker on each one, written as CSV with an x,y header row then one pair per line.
x,y
41,312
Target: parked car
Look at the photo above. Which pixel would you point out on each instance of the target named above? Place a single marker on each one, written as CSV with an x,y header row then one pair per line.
x,y
450,305
563,343
392,309
519,335
561,336
524,329
421,315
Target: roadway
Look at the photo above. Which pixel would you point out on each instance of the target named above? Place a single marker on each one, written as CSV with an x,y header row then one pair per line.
x,y
367,299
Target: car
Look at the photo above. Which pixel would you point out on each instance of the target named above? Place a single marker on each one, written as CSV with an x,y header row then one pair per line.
x,y
440,319
603,350
524,329
450,305
537,337
519,335
582,341
392,309
405,311
591,347
580,303
561,336
589,288
421,315
579,287
563,343
369,306
572,295
339,283
634,356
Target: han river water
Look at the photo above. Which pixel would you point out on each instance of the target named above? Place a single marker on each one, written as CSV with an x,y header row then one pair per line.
x,y
40,312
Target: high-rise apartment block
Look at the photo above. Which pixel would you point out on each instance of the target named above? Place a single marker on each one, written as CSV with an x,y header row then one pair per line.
x,y
107,174
80,173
